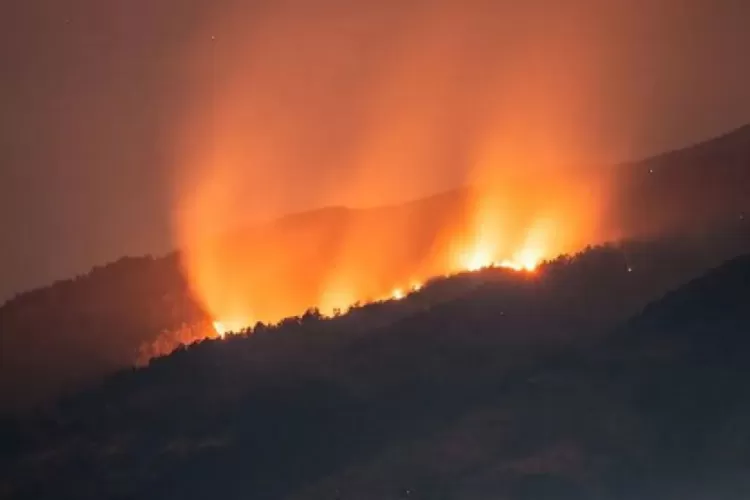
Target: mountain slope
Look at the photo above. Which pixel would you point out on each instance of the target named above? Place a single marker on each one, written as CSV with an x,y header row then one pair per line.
x,y
685,191
67,336
468,399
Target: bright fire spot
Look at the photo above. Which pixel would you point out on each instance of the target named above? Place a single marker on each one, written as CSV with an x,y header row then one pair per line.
x,y
476,259
224,327
509,264
397,294
528,259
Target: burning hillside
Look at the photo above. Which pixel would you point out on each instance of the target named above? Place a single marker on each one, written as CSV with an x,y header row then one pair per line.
x,y
281,107
352,120
338,257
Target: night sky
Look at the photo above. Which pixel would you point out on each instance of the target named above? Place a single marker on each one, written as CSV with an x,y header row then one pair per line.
x,y
93,91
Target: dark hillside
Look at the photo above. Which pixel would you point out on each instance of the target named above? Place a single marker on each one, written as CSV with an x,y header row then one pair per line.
x,y
687,191
680,213
60,338
465,399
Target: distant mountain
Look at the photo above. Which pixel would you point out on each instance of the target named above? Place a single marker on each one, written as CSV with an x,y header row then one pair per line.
x,y
682,213
513,389
687,191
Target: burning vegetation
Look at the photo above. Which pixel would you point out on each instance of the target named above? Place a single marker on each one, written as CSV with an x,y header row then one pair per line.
x,y
379,107
332,259
370,128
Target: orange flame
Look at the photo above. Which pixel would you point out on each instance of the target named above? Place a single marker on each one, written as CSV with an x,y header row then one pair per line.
x,y
336,292
224,327
368,131
280,271
331,259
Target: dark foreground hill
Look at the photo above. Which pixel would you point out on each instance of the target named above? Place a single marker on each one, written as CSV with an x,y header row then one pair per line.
x,y
687,207
513,389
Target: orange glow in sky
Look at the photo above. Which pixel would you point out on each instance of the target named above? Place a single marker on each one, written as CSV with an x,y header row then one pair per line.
x,y
270,272
290,130
333,259
512,217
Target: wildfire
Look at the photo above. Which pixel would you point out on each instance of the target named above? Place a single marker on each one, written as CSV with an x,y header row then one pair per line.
x,y
526,260
227,326
477,259
285,268
400,128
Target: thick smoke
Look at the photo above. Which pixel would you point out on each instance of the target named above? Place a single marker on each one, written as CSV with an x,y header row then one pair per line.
x,y
334,103
280,106
361,105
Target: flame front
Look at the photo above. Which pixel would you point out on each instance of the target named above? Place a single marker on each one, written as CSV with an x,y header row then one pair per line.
x,y
288,130
278,273
333,258
475,259
231,326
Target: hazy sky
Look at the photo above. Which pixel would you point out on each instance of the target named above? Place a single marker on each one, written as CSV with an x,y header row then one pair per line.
x,y
95,96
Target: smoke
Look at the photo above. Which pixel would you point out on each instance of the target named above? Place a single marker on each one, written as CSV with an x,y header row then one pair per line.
x,y
361,104
260,108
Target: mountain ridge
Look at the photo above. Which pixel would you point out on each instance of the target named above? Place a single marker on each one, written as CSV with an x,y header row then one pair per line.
x,y
433,407
68,335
